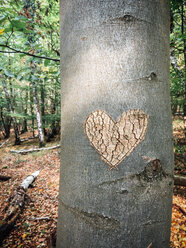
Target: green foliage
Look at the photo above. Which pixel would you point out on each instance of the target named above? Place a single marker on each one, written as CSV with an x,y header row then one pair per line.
x,y
179,149
30,27
177,47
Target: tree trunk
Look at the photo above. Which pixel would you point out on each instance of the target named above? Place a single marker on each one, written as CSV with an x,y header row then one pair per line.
x,y
30,6
38,111
42,89
52,130
25,128
16,130
31,109
6,122
174,63
117,154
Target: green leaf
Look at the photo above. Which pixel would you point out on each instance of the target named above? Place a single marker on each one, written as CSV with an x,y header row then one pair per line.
x,y
20,17
18,24
8,73
8,28
47,62
2,19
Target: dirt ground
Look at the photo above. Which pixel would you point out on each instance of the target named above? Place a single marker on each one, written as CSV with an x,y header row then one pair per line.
x,y
37,223
42,198
178,227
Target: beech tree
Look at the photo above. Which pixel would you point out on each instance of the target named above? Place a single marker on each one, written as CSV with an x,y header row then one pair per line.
x,y
117,155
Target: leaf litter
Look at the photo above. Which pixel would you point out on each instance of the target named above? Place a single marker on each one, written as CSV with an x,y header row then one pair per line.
x,y
37,223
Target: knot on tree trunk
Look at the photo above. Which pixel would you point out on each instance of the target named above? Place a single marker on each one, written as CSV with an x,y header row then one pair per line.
x,y
153,171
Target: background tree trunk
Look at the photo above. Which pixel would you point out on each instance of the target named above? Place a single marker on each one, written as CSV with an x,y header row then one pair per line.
x,y
6,123
52,130
38,116
16,130
38,111
115,58
31,109
25,109
30,5
42,89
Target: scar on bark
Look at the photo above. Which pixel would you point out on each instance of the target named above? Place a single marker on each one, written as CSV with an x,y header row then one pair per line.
x,y
94,219
153,171
127,18
151,77
112,182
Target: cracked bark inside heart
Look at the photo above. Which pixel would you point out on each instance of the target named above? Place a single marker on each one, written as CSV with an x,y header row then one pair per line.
x,y
114,141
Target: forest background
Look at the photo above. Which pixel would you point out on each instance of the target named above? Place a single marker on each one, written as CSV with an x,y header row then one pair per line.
x,y
30,113
29,66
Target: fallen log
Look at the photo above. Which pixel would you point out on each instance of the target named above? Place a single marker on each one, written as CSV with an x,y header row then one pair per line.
x,y
34,150
29,138
179,180
15,206
41,218
6,141
4,178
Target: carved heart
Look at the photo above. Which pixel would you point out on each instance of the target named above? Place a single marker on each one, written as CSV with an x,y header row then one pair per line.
x,y
114,141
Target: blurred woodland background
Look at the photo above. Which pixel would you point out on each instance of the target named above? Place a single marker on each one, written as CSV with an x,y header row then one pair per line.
x,y
29,66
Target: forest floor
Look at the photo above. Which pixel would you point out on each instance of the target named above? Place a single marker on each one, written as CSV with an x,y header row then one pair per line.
x,y
37,222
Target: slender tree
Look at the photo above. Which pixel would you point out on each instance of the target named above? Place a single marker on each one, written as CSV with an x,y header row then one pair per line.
x,y
16,129
38,109
25,109
30,7
42,89
116,157
5,120
31,109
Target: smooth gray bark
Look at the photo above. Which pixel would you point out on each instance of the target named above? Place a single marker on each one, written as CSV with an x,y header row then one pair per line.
x,y
38,116
115,58
38,110
31,108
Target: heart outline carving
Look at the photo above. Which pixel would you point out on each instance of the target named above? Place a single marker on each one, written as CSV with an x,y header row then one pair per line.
x,y
115,140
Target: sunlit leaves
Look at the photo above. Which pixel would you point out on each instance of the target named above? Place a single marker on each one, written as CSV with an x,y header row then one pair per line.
x,y
2,31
